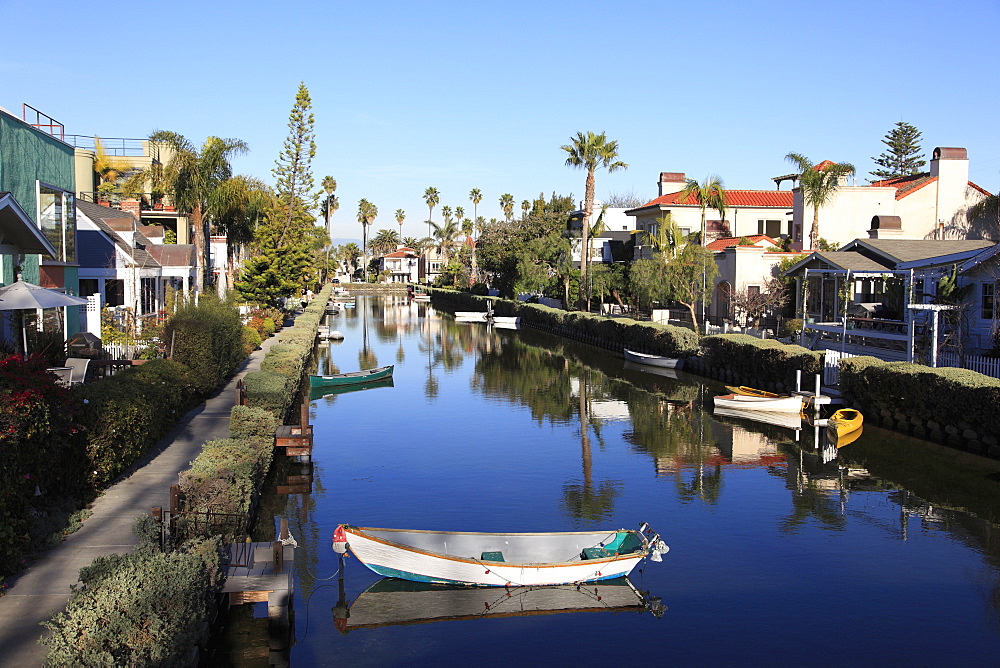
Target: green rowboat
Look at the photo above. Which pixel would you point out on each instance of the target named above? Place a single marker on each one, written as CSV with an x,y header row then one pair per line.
x,y
352,378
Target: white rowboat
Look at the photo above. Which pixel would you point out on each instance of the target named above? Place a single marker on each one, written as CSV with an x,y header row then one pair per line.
x,y
651,360
499,559
771,404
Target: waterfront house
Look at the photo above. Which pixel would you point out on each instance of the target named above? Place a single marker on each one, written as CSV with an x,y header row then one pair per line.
x,y
403,265
748,212
37,214
127,264
929,205
877,296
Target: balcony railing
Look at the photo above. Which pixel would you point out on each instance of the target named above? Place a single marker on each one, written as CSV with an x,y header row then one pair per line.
x,y
117,146
147,201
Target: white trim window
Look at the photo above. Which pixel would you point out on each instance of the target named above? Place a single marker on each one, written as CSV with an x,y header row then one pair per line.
x,y
57,220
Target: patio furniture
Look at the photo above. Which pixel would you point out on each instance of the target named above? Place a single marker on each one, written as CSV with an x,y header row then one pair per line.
x,y
64,374
79,366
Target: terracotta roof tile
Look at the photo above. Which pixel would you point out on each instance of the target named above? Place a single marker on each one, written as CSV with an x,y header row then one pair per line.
x,y
723,244
756,198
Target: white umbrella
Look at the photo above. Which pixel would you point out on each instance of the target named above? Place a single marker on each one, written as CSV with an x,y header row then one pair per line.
x,y
20,295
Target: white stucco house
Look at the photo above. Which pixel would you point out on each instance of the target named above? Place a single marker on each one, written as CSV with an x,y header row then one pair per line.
x,y
748,212
929,205
403,263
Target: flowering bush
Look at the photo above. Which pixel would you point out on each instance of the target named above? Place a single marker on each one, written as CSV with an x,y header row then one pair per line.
x,y
40,448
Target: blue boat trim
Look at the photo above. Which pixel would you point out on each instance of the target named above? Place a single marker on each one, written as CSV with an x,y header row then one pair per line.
x,y
406,575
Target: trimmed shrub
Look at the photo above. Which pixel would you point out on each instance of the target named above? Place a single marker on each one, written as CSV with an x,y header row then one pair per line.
x,y
223,478
128,412
251,339
948,396
767,361
269,391
254,425
208,339
144,608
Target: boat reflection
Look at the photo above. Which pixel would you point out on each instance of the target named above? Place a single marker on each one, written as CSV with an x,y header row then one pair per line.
x,y
391,602
320,392
787,420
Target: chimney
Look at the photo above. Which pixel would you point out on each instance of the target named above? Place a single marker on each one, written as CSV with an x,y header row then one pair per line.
x,y
671,182
131,205
886,227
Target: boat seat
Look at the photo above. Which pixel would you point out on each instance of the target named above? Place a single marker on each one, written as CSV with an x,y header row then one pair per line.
x,y
596,553
491,556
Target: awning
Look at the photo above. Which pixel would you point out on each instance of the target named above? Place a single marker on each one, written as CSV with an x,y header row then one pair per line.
x,y
18,233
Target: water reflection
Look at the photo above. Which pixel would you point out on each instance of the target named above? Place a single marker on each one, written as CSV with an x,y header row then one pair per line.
x,y
392,602
583,438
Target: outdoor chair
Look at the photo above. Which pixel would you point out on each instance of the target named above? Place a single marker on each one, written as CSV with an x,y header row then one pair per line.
x,y
79,367
64,375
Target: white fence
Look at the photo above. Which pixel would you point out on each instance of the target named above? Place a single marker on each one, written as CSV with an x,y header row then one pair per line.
x,y
120,351
831,366
988,366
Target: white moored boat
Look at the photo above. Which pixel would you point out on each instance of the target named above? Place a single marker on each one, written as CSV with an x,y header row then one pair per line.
x,y
499,559
752,403
651,360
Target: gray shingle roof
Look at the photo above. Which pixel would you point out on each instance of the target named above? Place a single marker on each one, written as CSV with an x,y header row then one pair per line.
x,y
912,250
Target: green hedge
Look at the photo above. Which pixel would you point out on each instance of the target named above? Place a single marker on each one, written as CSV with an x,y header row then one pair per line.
x,y
274,387
145,608
614,333
208,339
947,396
767,361
131,411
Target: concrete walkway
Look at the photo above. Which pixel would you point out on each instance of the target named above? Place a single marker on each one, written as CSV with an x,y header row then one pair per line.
x,y
44,588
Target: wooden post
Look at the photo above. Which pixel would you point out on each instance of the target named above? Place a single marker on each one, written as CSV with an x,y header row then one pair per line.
x,y
279,554
304,420
175,499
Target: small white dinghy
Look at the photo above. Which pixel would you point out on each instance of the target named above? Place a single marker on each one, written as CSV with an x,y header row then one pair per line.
x,y
499,559
651,360
752,403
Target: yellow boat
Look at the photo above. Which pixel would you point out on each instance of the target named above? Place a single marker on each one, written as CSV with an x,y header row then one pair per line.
x,y
844,421
750,392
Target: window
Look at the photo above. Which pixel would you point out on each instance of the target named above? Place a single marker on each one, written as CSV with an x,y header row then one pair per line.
x,y
57,220
771,228
989,301
147,293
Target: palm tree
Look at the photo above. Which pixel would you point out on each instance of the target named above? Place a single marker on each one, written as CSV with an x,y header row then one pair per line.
x,y
507,204
818,183
710,193
667,239
411,242
400,217
525,208
445,236
432,197
238,205
329,185
446,213
590,151
366,216
596,230
194,176
475,196
385,241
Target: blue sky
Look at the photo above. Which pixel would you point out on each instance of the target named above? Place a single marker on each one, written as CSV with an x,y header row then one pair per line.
x,y
461,95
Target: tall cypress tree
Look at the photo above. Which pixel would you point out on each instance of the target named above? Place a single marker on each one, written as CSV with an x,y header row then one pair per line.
x,y
904,156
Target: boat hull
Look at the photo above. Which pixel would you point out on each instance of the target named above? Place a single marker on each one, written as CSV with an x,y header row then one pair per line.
x,y
651,360
353,378
750,391
416,558
843,422
769,404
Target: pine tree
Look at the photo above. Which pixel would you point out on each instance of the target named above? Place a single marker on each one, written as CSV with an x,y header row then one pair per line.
x,y
282,263
293,168
904,156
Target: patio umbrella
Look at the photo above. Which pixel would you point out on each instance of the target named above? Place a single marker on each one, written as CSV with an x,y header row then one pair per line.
x,y
21,296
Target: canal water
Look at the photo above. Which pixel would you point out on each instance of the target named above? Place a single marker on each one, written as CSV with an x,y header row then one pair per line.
x,y
783,548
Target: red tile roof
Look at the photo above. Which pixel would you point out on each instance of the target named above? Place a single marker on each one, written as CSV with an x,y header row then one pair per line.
x,y
402,252
757,198
726,242
906,185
